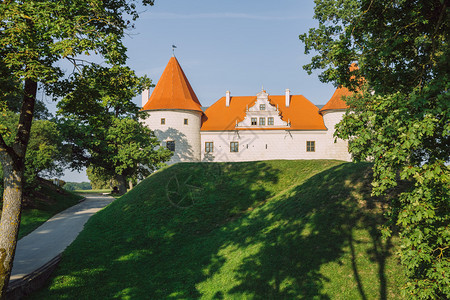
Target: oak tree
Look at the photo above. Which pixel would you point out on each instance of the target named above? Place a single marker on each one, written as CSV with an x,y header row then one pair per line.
x,y
399,118
103,126
34,37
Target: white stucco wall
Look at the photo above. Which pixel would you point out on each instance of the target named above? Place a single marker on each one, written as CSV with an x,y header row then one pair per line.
x,y
277,144
269,144
253,144
338,149
186,137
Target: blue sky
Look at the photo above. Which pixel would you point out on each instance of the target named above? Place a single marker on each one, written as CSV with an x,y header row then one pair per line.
x,y
232,45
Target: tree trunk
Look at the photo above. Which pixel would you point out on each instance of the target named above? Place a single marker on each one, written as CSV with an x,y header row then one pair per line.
x,y
10,220
13,162
122,182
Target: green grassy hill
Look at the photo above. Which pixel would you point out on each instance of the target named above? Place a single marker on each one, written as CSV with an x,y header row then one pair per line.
x,y
256,230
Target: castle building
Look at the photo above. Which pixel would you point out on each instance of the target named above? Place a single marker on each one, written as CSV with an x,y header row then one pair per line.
x,y
242,128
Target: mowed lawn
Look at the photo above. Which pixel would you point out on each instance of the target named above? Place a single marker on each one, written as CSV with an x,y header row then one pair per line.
x,y
253,230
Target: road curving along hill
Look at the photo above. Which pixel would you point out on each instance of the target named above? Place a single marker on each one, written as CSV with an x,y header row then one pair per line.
x,y
248,230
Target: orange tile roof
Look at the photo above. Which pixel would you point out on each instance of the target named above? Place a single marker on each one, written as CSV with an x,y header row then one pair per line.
x,y
173,90
336,101
301,113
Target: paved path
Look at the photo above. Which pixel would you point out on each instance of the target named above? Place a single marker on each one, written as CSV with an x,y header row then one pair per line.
x,y
52,237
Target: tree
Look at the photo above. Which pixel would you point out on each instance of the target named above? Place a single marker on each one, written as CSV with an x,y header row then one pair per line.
x,y
100,181
34,37
44,150
399,119
106,135
73,186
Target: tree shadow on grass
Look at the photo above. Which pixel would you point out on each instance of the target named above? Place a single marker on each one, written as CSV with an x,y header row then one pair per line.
x,y
318,223
145,247
233,240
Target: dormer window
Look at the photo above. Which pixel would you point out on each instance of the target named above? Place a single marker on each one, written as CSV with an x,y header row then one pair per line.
x,y
270,121
262,107
254,121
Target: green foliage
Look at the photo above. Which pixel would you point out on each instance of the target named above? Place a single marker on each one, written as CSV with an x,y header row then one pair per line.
x,y
399,118
253,230
102,125
99,180
74,186
34,37
11,93
77,27
44,152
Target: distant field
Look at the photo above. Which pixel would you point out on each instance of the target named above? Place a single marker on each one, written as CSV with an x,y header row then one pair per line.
x,y
92,191
255,230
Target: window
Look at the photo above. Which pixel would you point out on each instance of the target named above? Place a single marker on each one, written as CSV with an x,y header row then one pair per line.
x,y
163,121
310,146
234,146
262,121
185,121
209,147
254,120
270,121
170,145
262,107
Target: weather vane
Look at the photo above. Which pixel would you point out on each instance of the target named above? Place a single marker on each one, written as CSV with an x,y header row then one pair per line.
x,y
173,50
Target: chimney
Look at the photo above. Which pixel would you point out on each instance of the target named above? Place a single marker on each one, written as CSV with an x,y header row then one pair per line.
x,y
288,97
145,96
227,99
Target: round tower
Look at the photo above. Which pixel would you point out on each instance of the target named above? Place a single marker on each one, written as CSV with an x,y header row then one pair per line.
x,y
332,113
175,114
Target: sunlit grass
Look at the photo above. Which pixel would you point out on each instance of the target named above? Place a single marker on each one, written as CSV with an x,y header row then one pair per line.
x,y
257,230
98,191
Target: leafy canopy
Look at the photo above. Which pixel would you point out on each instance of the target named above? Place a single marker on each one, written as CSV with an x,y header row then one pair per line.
x,y
102,125
399,119
35,35
44,151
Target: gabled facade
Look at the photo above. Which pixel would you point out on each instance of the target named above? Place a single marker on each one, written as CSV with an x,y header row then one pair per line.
x,y
242,128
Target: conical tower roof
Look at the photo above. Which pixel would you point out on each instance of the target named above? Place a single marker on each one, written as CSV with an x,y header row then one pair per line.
x,y
336,101
173,90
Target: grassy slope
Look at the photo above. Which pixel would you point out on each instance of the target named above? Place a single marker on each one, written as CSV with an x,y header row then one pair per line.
x,y
49,201
266,230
